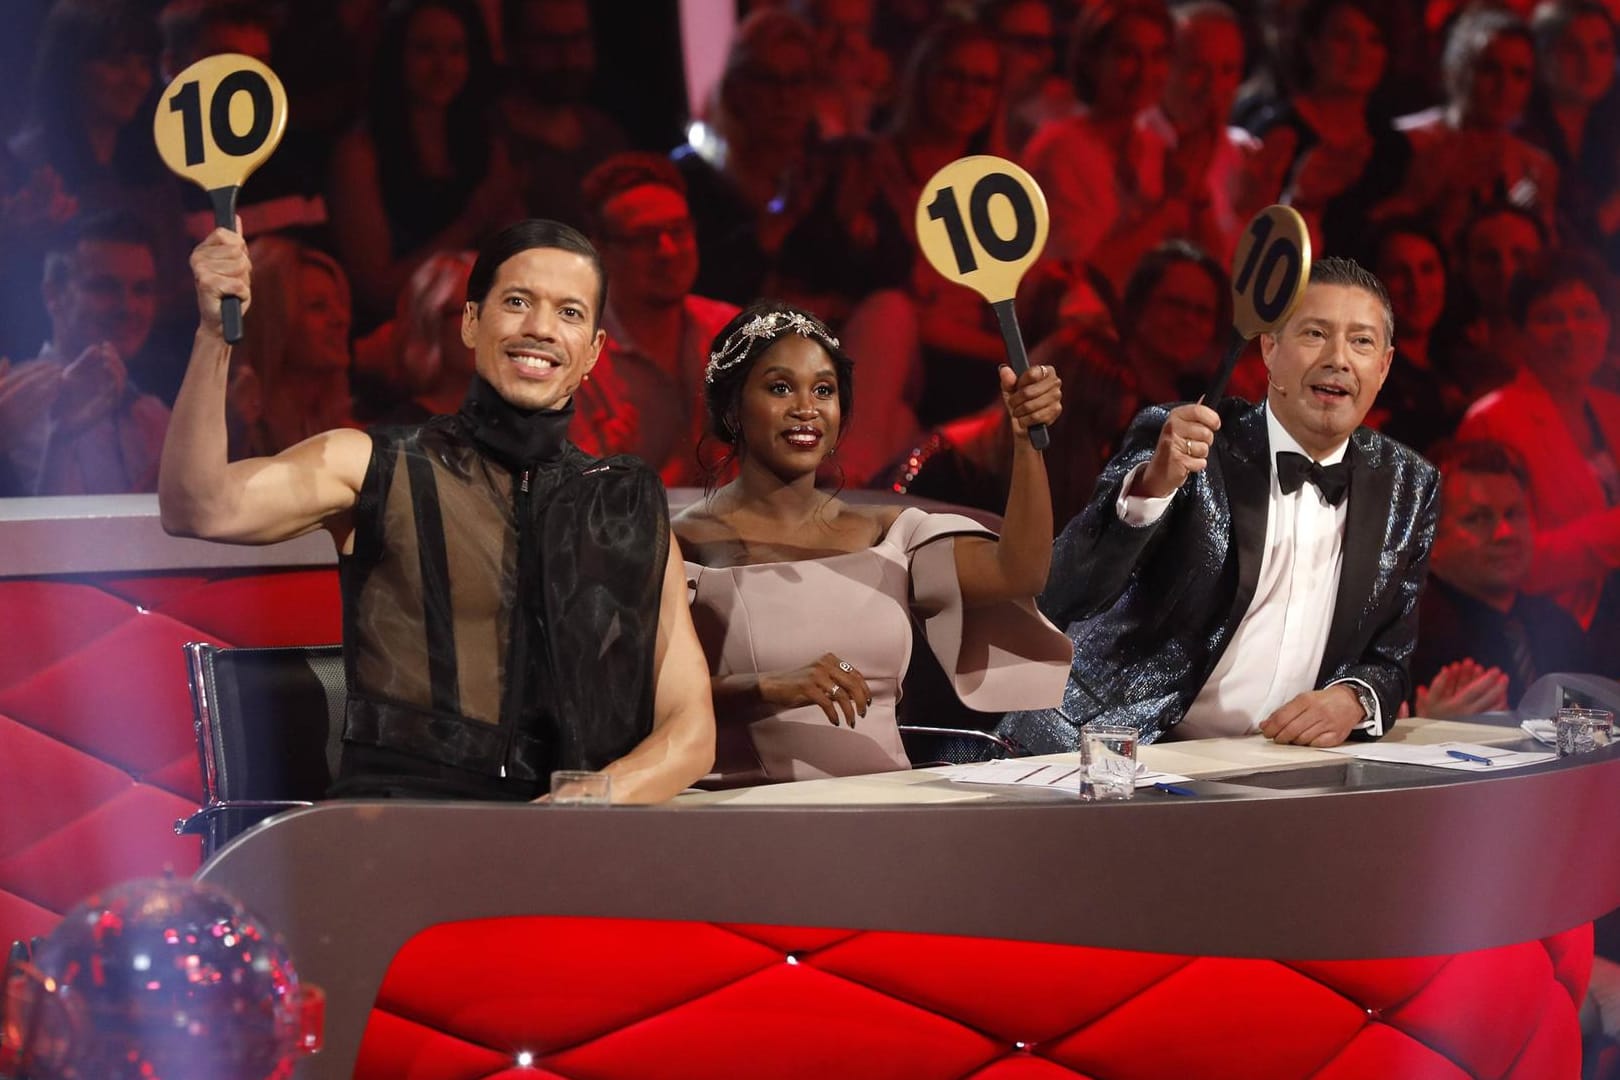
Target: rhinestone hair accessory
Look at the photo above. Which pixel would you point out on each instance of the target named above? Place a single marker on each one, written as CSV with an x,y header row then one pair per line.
x,y
763,328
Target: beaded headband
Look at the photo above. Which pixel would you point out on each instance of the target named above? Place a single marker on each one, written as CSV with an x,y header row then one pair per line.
x,y
763,328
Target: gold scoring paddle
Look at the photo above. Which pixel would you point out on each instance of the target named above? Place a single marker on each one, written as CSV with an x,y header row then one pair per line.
x,y
1270,270
981,222
216,123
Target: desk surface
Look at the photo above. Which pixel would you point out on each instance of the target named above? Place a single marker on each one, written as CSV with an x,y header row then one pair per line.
x,y
1203,759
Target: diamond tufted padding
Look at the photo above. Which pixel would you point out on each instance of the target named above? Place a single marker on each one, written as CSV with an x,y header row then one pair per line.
x,y
593,999
97,758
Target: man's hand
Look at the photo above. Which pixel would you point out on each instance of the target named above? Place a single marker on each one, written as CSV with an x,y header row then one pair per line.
x,y
1316,718
1183,449
1463,688
1035,397
221,268
91,387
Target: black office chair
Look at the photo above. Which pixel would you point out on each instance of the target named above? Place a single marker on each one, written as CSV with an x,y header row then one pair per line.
x,y
269,726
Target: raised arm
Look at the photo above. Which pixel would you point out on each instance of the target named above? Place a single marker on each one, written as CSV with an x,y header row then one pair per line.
x,y
680,749
1016,565
259,500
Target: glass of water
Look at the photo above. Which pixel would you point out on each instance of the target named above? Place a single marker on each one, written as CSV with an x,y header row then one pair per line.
x,y
577,787
1581,731
1108,762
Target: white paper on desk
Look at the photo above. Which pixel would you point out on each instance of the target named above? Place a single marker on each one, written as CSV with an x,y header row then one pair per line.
x,y
1031,774
1435,755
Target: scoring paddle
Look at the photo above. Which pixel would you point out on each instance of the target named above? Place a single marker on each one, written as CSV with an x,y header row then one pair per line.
x,y
216,123
1270,270
981,222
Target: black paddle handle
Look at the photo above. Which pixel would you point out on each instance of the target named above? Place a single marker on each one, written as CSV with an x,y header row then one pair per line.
x,y
230,307
1217,388
1013,338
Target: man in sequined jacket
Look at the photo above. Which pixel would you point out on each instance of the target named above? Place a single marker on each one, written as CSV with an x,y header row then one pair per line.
x,y
1252,567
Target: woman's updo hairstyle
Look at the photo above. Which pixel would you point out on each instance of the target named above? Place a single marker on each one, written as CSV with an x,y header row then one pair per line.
x,y
740,344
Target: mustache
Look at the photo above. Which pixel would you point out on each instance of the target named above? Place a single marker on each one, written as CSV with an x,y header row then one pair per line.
x,y
530,345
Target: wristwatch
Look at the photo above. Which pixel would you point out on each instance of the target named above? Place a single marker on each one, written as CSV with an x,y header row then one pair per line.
x,y
1369,702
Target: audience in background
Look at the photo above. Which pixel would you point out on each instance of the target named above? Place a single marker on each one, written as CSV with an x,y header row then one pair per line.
x,y
1107,206
553,135
416,365
1484,640
72,420
1422,399
290,375
86,148
802,181
425,173
645,395
857,75
739,163
1566,429
1466,154
1326,149
1033,92
1574,116
1201,154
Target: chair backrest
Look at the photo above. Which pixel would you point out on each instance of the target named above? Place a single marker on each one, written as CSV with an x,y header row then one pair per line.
x,y
269,725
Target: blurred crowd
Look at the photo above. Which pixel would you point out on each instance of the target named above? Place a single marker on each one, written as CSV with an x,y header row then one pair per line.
x,y
1468,153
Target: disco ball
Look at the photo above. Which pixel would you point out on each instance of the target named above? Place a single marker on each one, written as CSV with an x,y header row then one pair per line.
x,y
157,980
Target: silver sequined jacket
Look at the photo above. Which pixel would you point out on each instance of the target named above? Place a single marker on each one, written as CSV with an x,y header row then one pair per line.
x,y
1151,608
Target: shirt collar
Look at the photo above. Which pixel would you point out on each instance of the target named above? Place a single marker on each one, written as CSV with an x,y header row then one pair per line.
x,y
1279,440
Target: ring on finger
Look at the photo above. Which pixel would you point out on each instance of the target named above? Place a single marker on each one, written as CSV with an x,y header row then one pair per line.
x,y
845,666
835,691
1189,444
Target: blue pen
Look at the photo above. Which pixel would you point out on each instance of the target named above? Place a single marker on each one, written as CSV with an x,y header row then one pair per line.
x,y
1174,789
1464,756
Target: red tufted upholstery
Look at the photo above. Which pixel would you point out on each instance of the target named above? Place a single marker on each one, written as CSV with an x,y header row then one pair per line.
x,y
592,999
97,758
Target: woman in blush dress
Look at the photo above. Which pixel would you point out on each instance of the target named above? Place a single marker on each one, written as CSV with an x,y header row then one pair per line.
x,y
806,604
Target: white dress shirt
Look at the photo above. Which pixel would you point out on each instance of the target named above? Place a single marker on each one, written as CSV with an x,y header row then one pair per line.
x,y
1277,648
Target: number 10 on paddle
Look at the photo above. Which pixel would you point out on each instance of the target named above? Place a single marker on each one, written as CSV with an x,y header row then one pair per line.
x,y
981,222
217,122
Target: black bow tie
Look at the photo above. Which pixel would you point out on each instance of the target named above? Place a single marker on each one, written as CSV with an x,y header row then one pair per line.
x,y
1333,481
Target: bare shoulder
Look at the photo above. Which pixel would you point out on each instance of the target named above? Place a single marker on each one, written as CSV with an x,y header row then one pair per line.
x,y
877,519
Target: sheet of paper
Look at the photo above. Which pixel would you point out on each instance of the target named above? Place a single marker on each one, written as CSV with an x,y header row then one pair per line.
x,y
1025,773
1440,756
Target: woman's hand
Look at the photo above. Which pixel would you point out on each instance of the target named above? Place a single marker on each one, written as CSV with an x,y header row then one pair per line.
x,y
1035,397
831,683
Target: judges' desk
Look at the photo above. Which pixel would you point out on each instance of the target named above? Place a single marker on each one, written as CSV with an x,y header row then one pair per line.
x,y
1424,923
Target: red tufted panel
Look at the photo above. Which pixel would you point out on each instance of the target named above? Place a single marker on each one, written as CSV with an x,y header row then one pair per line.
x,y
97,758
595,999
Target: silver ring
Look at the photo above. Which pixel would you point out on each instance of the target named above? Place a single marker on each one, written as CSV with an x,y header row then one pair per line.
x,y
835,691
845,665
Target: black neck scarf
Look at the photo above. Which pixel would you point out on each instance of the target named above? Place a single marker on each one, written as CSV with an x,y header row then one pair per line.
x,y
517,438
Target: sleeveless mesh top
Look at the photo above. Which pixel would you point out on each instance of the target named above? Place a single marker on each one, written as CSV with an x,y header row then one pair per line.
x,y
499,623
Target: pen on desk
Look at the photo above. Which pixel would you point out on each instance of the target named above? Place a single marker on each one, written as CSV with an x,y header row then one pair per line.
x,y
1174,789
1462,755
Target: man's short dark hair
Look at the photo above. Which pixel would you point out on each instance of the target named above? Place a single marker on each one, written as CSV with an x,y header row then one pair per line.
x,y
106,227
1337,270
524,236
1550,273
1482,457
185,23
621,172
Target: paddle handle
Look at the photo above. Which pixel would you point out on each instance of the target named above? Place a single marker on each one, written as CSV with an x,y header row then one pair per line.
x,y
1013,339
1217,389
230,307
